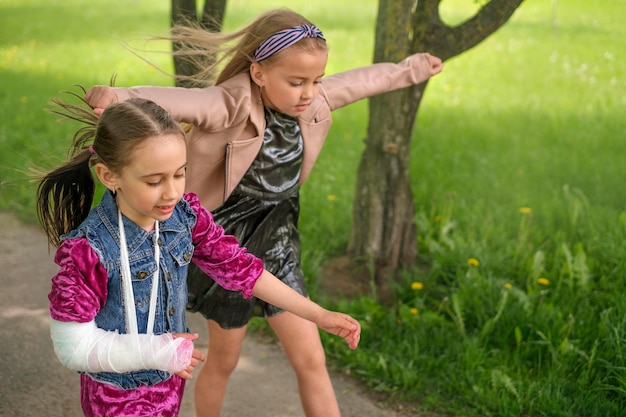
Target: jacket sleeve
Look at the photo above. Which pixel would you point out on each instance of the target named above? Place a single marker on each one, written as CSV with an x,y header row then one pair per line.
x,y
79,289
211,109
347,87
220,256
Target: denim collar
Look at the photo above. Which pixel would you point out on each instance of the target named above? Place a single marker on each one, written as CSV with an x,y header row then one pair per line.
x,y
135,235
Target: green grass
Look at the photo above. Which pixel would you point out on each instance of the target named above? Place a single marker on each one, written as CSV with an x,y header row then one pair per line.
x,y
517,168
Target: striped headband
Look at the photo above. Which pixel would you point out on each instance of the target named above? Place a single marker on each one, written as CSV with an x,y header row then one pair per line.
x,y
284,39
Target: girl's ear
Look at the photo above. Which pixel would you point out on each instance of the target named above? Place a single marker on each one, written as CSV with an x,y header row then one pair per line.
x,y
256,73
107,177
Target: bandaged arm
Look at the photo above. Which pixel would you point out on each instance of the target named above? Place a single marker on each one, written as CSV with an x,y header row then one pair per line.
x,y
86,347
79,290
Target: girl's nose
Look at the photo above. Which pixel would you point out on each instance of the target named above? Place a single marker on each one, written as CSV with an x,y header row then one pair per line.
x,y
171,191
308,91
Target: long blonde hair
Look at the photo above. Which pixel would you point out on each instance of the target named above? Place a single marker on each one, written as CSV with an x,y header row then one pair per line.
x,y
233,52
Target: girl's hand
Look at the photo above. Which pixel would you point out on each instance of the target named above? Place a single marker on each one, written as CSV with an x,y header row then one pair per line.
x,y
341,325
196,356
100,97
436,64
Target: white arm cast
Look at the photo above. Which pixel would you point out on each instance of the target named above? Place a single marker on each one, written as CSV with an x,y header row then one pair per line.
x,y
85,347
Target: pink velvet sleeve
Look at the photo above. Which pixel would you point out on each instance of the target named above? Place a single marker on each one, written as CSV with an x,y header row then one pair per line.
x,y
79,289
220,256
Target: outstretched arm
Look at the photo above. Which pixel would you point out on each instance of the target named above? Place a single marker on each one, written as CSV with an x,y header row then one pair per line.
x,y
272,290
349,86
231,266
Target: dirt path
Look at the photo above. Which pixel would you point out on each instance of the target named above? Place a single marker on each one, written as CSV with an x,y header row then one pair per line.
x,y
33,383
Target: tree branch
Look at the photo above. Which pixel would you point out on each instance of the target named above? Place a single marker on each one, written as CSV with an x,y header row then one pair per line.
x,y
431,34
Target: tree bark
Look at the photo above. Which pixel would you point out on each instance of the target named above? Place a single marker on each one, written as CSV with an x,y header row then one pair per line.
x,y
383,239
383,232
182,10
212,18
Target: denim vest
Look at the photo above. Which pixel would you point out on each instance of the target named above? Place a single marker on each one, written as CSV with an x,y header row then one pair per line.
x,y
102,232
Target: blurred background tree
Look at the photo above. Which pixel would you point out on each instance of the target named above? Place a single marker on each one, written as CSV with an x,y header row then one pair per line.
x,y
211,18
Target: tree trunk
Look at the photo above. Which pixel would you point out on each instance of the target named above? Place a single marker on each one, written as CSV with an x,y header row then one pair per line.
x,y
213,15
182,10
384,236
383,231
212,18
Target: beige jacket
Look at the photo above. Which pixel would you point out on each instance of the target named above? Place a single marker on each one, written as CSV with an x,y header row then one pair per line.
x,y
229,120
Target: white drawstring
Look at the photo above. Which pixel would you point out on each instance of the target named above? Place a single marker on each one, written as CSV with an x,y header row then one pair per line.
x,y
127,285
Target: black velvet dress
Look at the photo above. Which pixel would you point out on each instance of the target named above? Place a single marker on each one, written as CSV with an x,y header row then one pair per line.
x,y
262,212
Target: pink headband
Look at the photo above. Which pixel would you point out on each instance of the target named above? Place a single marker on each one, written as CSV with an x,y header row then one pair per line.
x,y
283,39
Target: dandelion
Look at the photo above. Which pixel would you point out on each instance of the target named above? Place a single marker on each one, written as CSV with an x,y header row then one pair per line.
x,y
414,311
331,197
526,210
473,262
543,281
416,285
10,53
507,286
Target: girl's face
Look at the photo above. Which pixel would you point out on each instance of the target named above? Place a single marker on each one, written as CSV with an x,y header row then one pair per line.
x,y
290,83
154,181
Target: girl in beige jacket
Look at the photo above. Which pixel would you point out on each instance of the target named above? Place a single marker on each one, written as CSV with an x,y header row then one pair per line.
x,y
256,134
